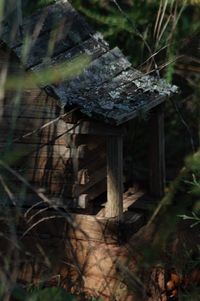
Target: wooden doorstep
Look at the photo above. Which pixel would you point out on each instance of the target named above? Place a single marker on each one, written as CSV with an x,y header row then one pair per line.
x,y
130,198
84,227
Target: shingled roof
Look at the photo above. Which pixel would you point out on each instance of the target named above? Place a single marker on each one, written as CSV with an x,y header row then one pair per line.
x,y
109,89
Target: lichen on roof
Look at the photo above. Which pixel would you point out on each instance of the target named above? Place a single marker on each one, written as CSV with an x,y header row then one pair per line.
x,y
109,89
152,84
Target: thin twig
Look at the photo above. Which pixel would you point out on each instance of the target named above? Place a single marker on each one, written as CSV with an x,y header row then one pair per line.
x,y
31,208
139,34
45,199
39,222
37,213
154,54
36,131
8,191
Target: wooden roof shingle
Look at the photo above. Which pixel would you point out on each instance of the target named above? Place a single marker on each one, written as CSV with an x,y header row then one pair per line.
x,y
109,89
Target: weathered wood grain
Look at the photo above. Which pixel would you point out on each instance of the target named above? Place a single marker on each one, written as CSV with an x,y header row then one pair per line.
x,y
128,202
114,205
20,111
109,89
93,47
63,36
35,150
96,190
84,175
60,127
96,177
32,98
87,139
48,175
43,162
94,156
100,70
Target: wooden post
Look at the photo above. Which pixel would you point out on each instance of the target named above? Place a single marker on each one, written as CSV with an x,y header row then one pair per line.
x,y
157,152
114,206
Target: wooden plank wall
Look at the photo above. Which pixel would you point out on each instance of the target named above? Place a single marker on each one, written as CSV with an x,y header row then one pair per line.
x,y
63,165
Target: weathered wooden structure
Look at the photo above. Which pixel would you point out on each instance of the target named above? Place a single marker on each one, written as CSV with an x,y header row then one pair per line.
x,y
66,137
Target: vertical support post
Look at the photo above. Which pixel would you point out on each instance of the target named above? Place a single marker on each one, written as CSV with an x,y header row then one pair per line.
x,y
114,206
157,152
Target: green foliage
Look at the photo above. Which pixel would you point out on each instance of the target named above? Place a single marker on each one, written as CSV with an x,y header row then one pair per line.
x,y
195,218
49,75
135,26
46,294
32,5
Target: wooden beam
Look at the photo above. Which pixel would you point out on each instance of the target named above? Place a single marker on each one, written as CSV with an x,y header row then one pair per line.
x,y
59,127
157,152
96,128
114,206
96,177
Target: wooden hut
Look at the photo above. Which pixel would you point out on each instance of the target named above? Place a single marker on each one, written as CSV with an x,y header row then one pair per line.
x,y
65,138
74,156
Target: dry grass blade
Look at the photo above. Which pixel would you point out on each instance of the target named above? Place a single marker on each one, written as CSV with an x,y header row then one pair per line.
x,y
32,207
8,191
37,213
140,35
154,54
161,18
157,19
38,193
39,222
132,281
163,29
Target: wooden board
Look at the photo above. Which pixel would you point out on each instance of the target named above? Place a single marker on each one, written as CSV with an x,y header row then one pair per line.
x,y
96,177
114,205
59,127
93,47
87,139
64,36
96,190
25,111
85,173
34,98
99,71
131,200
